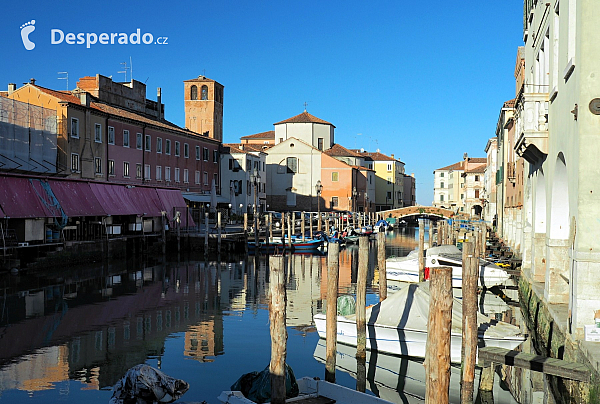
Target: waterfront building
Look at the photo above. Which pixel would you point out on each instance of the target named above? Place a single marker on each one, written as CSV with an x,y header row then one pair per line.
x,y
450,190
410,190
263,138
489,183
389,180
472,190
244,179
558,121
203,102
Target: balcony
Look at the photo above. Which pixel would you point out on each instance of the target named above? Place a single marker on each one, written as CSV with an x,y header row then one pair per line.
x,y
532,126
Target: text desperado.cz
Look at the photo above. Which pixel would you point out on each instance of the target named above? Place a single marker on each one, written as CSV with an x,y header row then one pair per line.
x,y
57,36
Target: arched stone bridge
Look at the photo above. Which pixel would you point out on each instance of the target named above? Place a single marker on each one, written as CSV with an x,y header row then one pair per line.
x,y
428,211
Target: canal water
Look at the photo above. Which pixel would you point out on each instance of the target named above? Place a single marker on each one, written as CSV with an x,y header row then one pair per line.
x,y
67,336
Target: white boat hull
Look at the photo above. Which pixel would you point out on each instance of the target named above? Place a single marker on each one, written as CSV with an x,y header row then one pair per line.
x,y
405,342
406,269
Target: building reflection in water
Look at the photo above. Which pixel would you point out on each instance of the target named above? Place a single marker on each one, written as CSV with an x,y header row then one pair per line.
x,y
91,324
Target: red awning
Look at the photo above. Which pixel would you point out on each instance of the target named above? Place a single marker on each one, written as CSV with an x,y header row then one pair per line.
x,y
76,198
114,199
22,198
172,200
146,201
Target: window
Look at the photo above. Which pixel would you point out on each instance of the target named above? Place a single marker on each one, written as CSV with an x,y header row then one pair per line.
x,y
389,167
280,139
147,175
176,174
98,133
204,92
462,196
158,173
194,93
147,143
441,198
177,149
75,128
204,154
248,165
125,138
159,145
388,195
168,146
197,177
186,150
75,162
292,164
111,167
126,169
138,141
111,135
441,185
198,155
442,175
216,178
215,156
186,175
389,180
138,171
205,178
320,143
334,201
168,174
97,165
335,176
476,178
476,193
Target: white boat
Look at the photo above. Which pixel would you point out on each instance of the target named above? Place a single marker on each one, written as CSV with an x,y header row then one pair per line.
x,y
398,326
311,388
401,379
406,269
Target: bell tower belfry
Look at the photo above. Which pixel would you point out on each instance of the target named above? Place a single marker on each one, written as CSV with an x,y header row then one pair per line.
x,y
203,103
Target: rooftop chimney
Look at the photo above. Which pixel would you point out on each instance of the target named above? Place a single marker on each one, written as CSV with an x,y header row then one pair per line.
x,y
32,81
84,98
158,101
12,87
392,156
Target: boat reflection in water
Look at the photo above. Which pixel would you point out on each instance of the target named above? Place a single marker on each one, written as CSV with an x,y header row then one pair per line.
x,y
400,379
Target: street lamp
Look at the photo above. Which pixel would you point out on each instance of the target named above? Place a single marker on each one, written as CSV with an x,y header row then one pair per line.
x,y
318,189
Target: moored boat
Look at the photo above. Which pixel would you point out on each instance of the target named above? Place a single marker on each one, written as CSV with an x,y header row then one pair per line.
x,y
398,326
406,269
310,391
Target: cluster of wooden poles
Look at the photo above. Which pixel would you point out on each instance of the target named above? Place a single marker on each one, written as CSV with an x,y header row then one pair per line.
x,y
437,361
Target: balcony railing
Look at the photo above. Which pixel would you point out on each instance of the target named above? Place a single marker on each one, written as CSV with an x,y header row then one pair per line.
x,y
532,124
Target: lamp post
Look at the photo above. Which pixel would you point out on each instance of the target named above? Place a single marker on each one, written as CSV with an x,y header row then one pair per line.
x,y
318,189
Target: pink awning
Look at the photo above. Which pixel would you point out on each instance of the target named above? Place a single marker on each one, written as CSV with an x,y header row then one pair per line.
x,y
114,199
24,198
76,198
172,200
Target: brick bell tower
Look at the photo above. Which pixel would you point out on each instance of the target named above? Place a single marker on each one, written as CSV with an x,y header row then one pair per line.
x,y
203,102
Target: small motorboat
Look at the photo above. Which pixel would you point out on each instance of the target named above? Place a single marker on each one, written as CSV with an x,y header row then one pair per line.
x,y
279,244
317,390
398,326
406,269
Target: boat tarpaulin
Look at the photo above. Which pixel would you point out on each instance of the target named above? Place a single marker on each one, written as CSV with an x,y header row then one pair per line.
x,y
76,198
20,199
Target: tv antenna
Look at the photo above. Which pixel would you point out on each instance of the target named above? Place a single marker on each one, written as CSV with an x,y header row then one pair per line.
x,y
125,68
66,77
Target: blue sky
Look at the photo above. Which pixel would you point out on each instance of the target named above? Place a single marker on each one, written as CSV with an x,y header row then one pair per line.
x,y
422,80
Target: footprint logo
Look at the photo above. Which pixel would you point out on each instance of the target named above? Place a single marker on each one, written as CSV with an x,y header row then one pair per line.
x,y
27,29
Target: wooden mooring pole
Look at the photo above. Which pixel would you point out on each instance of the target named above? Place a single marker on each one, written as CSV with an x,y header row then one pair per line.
x,y
430,233
245,221
333,266
469,322
361,315
277,309
289,224
270,239
381,266
361,295
219,232
421,250
439,326
206,228
303,227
